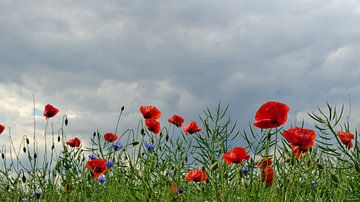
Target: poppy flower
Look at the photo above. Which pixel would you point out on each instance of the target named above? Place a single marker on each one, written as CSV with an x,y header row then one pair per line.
x,y
264,162
97,166
150,112
196,176
75,142
268,175
152,125
301,139
271,115
191,128
346,138
236,155
2,128
176,120
110,137
50,111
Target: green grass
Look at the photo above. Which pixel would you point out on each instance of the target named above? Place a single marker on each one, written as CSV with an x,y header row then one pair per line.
x,y
147,175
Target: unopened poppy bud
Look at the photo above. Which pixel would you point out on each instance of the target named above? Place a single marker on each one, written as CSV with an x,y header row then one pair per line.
x,y
66,122
142,131
58,138
53,147
35,155
94,134
23,179
27,141
335,178
2,155
24,149
122,108
167,138
214,166
357,167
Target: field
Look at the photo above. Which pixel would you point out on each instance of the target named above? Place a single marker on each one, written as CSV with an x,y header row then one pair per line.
x,y
205,159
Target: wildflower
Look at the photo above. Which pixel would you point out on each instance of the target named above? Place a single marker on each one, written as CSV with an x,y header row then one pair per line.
x,y
313,184
268,175
176,120
346,138
176,190
101,179
117,146
196,176
92,157
110,137
264,162
50,111
153,125
191,128
97,166
236,155
150,112
36,194
110,164
301,139
75,142
245,170
149,146
2,128
271,115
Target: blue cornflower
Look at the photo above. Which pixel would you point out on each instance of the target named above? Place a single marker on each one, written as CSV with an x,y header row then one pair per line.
x,y
313,184
101,179
36,194
245,170
117,146
110,164
149,146
92,157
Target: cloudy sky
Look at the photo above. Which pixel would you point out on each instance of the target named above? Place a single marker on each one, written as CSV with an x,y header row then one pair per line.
x,y
89,58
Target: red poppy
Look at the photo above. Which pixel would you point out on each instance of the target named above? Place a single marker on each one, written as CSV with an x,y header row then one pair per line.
x,y
191,128
264,162
346,138
301,139
97,166
268,175
2,128
152,125
150,112
236,155
176,120
271,115
196,176
110,137
50,111
75,142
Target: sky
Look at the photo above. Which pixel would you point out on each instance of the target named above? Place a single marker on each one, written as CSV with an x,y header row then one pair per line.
x,y
89,58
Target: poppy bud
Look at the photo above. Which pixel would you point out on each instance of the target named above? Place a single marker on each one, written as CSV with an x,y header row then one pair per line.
x,y
214,166
58,138
94,134
2,155
24,149
23,179
186,159
335,178
167,138
27,141
53,147
142,131
122,108
66,122
35,155
357,167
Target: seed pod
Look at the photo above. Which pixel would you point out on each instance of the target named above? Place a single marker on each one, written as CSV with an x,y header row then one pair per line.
x,y
214,166
335,178
24,149
66,122
27,141
23,179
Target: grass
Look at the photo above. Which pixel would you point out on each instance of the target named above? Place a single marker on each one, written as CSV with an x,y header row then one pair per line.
x,y
328,172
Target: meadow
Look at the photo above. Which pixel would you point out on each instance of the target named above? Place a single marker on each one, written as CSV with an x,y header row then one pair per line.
x,y
205,159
